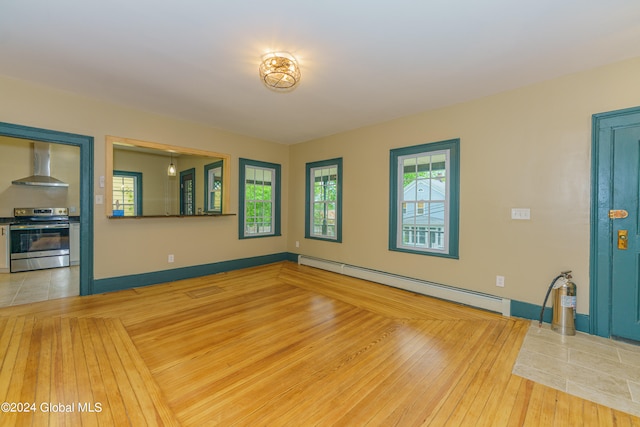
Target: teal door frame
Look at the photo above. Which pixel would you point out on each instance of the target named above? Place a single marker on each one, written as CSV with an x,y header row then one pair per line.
x,y
601,228
86,188
184,173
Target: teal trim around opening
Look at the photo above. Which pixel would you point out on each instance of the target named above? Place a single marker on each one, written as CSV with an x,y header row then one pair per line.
x,y
603,125
307,198
532,311
276,202
157,277
86,144
453,145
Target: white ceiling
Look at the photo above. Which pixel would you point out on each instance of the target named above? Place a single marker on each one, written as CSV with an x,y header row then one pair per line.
x,y
362,61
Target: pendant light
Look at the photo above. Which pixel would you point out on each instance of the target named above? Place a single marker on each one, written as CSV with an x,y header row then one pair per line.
x,y
171,171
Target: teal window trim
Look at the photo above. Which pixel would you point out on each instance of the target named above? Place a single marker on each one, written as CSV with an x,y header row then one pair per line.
x,y
453,177
207,190
277,198
138,189
337,162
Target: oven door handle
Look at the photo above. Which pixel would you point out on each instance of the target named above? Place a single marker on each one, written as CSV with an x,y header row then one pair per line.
x,y
38,226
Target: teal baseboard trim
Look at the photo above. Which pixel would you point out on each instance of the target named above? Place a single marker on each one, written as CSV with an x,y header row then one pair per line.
x,y
153,278
532,311
292,257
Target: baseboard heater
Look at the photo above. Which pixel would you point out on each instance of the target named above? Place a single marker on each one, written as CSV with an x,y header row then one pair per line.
x,y
449,293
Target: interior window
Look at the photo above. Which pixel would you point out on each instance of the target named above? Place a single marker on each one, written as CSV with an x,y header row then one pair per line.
x,y
127,193
213,190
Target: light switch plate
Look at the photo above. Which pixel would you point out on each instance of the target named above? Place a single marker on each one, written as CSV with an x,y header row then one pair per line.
x,y
521,213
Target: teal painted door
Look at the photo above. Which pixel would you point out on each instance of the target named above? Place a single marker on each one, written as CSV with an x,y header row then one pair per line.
x,y
625,233
188,192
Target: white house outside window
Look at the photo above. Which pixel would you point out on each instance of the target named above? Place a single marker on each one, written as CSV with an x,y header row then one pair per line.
x,y
424,199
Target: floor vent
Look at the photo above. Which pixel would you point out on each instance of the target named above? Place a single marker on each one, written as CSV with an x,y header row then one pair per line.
x,y
204,292
462,296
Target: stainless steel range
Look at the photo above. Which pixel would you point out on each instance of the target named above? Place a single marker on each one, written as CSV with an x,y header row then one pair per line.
x,y
39,238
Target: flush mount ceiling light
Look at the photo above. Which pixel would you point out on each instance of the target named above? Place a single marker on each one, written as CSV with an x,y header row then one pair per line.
x,y
279,71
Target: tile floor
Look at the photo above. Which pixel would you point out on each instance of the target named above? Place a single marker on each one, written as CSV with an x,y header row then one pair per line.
x,y
593,368
39,285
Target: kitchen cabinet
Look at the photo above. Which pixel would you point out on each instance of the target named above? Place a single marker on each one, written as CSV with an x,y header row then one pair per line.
x,y
4,248
74,243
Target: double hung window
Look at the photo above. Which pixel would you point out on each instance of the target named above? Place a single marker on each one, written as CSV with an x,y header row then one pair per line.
x,y
259,199
424,199
323,212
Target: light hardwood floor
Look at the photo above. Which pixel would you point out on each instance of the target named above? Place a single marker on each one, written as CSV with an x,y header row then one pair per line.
x,y
275,345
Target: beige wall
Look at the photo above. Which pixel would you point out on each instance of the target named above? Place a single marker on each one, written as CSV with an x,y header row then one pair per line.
x,y
123,247
16,161
159,191
526,148
185,163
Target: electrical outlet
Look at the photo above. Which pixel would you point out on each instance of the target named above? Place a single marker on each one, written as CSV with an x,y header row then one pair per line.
x,y
297,244
500,281
170,258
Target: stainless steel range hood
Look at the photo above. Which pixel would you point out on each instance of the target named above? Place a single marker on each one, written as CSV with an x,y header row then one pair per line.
x,y
41,168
